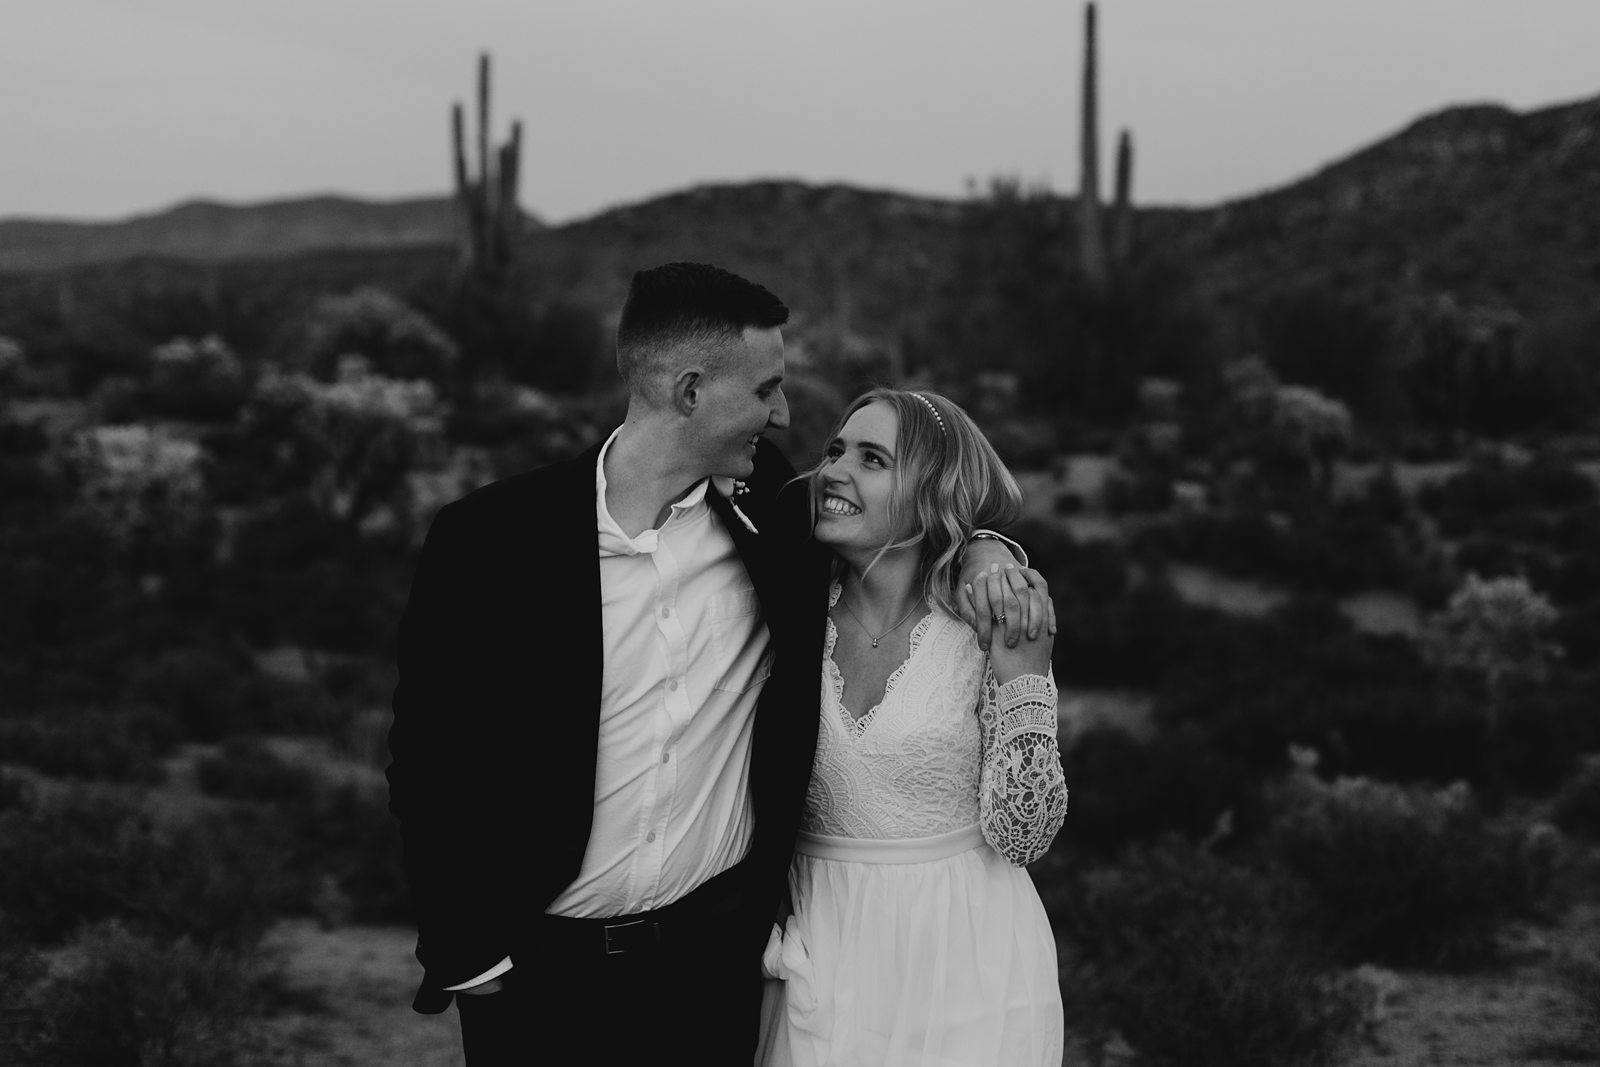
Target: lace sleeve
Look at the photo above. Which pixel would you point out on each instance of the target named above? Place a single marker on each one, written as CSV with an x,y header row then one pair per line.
x,y
1022,791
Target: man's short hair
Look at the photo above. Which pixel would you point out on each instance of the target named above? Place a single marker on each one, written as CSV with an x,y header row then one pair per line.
x,y
692,310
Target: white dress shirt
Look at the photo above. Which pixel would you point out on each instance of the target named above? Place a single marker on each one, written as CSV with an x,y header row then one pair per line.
x,y
686,651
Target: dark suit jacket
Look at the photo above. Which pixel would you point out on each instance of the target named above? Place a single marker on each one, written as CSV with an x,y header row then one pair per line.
x,y
496,713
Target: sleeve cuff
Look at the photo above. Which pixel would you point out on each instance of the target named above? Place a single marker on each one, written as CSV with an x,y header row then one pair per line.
x,y
990,535
493,972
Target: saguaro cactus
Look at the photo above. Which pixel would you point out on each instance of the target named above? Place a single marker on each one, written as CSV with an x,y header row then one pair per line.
x,y
1122,208
1091,249
491,219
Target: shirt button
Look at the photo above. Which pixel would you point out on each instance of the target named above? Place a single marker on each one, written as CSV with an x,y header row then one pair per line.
x,y
651,836
673,685
666,757
666,613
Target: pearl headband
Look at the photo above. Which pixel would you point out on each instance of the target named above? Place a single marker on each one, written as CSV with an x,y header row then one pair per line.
x,y
936,416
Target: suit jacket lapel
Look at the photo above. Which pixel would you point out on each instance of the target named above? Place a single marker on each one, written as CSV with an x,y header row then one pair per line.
x,y
748,543
567,576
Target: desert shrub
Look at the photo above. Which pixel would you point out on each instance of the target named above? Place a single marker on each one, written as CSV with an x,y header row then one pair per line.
x,y
1136,640
1138,493
21,1016
118,399
1402,876
198,686
1093,574
298,576
1344,550
283,706
1493,489
15,792
1126,790
247,769
564,347
1303,676
138,999
122,746
1578,530
1543,731
1577,631
350,845
86,856
1577,806
1197,961
191,379
1491,557
1050,545
398,340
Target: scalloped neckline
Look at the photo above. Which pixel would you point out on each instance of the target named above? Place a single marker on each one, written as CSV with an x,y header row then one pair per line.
x,y
854,726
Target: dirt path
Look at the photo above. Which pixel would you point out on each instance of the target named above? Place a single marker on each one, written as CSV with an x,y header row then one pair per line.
x,y
1520,1016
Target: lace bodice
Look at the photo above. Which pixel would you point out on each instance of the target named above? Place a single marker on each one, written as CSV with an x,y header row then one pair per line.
x,y
946,747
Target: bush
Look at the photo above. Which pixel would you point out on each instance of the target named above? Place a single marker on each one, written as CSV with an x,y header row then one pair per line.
x,y
111,746
137,999
1196,961
21,1017
88,856
247,769
1125,790
1402,876
201,379
398,340
1577,808
350,846
200,687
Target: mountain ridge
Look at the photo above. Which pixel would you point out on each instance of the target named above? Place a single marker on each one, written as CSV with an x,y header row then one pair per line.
x,y
1391,169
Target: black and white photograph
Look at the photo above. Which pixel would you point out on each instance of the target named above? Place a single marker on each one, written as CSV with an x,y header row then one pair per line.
x,y
956,533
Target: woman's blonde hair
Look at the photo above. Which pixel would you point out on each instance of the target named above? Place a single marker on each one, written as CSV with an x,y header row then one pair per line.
x,y
948,481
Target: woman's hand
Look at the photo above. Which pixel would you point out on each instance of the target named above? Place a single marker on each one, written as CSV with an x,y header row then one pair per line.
x,y
1029,655
995,602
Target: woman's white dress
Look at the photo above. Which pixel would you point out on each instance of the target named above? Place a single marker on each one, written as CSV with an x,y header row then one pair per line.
x,y
917,938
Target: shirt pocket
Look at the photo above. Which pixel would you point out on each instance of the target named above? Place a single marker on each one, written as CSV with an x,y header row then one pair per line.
x,y
740,642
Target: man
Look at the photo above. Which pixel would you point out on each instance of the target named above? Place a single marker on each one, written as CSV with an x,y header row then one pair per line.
x,y
607,707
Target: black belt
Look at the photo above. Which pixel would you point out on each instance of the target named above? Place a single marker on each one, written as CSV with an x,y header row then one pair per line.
x,y
647,931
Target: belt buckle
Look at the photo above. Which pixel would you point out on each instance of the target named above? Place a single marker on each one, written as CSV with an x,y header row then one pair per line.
x,y
616,947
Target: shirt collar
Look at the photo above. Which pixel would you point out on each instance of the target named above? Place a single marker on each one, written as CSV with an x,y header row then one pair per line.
x,y
612,538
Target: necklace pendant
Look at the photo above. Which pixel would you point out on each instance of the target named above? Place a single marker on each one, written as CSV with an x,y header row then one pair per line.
x,y
874,642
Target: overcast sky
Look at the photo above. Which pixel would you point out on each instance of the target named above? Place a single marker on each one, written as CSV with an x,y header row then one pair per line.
x,y
117,107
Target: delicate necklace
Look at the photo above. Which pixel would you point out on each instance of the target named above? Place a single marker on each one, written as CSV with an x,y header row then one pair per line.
x,y
864,629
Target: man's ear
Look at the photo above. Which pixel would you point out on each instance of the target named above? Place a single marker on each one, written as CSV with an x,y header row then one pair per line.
x,y
686,390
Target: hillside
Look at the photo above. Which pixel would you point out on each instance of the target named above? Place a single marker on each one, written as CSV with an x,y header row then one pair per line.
x,y
1483,201
207,230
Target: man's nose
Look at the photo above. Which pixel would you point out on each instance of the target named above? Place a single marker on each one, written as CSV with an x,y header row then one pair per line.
x,y
778,418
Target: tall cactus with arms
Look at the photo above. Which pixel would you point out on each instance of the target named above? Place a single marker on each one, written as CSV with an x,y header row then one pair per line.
x,y
492,221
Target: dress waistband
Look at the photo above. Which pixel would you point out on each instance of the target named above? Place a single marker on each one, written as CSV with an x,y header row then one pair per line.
x,y
890,849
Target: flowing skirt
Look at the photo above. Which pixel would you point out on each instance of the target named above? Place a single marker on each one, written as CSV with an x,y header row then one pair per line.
x,y
931,952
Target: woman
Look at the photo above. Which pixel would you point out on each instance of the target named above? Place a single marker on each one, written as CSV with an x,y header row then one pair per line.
x,y
916,936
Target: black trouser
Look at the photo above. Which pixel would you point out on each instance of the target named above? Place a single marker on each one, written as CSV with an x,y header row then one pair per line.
x,y
681,985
